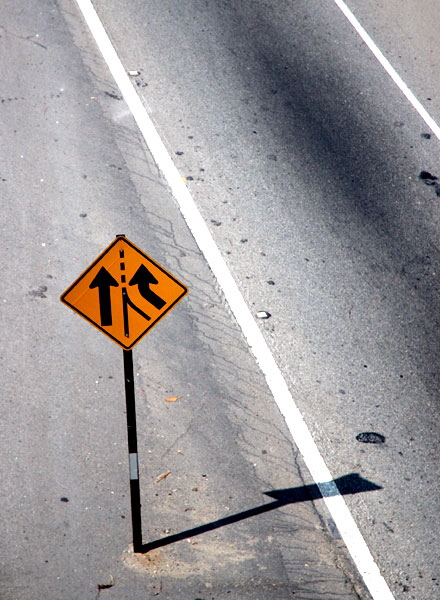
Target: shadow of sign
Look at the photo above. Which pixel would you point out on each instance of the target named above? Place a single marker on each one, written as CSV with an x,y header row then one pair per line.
x,y
352,483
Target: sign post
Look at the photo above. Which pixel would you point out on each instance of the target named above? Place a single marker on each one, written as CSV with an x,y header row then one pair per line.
x,y
124,293
135,492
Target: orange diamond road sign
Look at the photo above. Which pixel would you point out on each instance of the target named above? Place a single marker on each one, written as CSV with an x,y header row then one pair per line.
x,y
124,293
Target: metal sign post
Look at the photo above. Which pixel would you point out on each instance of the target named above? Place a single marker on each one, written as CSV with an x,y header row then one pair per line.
x,y
124,293
135,494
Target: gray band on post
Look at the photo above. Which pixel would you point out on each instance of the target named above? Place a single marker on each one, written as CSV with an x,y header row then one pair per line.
x,y
133,463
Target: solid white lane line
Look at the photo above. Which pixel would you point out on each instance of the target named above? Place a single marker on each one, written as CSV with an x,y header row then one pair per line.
x,y
390,69
300,433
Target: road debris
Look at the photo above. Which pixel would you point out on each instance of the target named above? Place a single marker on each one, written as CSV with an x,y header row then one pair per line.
x,y
106,586
172,399
263,314
162,476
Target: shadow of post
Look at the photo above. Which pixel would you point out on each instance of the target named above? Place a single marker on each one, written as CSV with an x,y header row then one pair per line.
x,y
345,485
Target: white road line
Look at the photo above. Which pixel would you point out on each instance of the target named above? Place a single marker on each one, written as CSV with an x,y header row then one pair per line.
x,y
389,69
301,435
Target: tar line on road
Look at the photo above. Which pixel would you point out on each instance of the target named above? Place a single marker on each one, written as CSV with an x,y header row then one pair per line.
x,y
301,435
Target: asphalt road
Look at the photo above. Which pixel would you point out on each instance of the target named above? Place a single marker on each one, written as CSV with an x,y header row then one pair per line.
x,y
304,159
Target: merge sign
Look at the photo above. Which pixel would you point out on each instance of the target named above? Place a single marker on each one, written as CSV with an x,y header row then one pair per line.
x,y
124,293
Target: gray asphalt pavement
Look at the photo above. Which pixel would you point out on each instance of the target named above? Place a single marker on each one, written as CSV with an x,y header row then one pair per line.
x,y
304,159
74,174
408,36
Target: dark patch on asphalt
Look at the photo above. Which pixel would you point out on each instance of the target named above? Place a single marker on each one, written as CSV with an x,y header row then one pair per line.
x,y
105,586
112,95
430,179
334,530
388,527
427,178
370,437
39,293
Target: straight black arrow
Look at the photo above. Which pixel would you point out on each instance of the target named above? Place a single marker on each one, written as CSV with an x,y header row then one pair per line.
x,y
143,278
103,281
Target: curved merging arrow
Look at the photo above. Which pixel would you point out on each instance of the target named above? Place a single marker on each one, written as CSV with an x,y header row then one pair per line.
x,y
103,281
143,278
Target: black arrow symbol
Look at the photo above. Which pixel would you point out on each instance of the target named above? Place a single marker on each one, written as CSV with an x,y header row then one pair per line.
x,y
103,281
143,278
